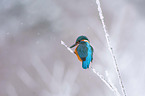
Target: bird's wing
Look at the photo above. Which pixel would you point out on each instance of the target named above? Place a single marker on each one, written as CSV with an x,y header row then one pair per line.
x,y
92,53
82,51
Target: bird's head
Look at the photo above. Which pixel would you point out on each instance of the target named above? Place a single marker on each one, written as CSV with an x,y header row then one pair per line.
x,y
79,39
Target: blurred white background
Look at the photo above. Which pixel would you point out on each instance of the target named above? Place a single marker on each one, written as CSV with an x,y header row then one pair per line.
x,y
34,63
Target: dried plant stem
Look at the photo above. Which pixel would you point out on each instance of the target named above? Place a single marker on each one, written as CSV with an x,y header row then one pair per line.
x,y
110,85
66,47
110,48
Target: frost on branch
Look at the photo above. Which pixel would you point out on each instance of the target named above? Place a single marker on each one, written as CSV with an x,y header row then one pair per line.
x,y
66,47
107,82
110,85
110,48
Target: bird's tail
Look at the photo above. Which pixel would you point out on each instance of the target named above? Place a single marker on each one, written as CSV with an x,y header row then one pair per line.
x,y
85,64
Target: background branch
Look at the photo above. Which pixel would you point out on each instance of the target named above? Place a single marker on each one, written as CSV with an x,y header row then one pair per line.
x,y
110,47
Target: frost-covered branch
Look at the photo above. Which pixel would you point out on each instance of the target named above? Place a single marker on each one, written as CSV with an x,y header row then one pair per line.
x,y
66,47
110,47
110,85
113,87
107,82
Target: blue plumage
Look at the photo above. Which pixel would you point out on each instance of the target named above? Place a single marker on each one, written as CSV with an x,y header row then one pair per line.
x,y
84,51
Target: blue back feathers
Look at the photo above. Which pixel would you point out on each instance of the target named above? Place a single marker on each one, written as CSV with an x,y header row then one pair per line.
x,y
85,51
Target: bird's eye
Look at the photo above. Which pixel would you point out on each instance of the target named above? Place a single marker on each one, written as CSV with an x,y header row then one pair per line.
x,y
78,41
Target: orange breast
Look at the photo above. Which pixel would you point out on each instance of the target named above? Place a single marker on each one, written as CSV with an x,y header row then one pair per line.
x,y
77,54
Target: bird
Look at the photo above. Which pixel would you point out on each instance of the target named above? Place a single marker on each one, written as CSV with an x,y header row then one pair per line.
x,y
84,51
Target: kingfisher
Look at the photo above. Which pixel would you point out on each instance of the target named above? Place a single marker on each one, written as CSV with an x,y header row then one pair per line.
x,y
84,51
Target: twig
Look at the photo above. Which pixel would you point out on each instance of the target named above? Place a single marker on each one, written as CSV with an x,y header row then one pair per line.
x,y
110,47
66,47
111,86
109,80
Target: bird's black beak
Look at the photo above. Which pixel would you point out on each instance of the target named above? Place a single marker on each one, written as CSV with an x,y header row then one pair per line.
x,y
73,45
